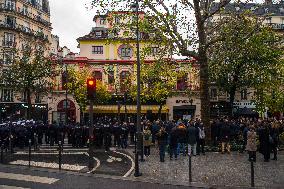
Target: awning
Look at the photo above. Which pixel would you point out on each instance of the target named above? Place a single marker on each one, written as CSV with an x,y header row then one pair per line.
x,y
105,109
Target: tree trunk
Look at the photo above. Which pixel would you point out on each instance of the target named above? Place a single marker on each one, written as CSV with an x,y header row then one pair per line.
x,y
203,62
160,111
29,112
232,94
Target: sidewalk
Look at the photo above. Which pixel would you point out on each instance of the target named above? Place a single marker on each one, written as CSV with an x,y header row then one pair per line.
x,y
213,169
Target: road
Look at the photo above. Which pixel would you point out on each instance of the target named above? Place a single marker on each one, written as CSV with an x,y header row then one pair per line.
x,y
17,177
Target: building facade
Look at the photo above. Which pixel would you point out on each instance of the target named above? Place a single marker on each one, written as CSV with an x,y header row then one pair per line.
x,y
272,15
112,59
22,22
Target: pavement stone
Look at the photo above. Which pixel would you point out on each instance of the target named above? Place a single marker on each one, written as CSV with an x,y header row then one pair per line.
x,y
213,169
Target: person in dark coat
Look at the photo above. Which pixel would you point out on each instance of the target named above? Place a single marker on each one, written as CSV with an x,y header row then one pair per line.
x,y
173,142
162,137
225,136
275,138
264,142
192,141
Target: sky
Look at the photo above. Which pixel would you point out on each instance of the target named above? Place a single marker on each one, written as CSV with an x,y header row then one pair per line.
x,y
71,19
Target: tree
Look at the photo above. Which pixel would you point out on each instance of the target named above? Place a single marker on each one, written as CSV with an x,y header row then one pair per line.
x,y
159,80
173,24
77,85
29,73
249,56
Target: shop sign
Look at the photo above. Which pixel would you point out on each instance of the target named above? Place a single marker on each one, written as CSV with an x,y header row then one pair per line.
x,y
184,101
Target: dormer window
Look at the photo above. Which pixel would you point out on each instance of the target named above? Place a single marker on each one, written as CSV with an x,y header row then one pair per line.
x,y
98,34
102,21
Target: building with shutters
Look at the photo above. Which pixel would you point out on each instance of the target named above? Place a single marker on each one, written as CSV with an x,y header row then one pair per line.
x,y
23,22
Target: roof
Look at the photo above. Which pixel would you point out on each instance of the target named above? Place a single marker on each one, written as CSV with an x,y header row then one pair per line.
x,y
92,34
257,9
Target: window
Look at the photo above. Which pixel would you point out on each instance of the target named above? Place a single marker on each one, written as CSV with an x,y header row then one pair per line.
x,y
39,16
7,95
24,97
9,39
268,20
213,94
98,75
117,20
124,75
126,52
98,50
102,21
39,3
26,27
182,83
154,50
64,80
10,4
8,57
37,98
98,34
244,94
10,21
111,79
25,10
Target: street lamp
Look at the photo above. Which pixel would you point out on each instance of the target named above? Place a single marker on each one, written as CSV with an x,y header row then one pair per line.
x,y
135,7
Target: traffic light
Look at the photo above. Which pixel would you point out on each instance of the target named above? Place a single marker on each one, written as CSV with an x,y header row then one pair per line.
x,y
91,88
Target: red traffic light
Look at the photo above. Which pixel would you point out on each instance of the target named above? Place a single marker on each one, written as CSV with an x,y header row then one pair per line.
x,y
91,88
91,82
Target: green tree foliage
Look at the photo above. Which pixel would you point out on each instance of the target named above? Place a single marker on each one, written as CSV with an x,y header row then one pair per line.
x,y
77,85
180,25
158,80
248,56
29,73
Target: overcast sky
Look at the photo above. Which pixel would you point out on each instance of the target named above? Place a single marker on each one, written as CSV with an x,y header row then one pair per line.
x,y
70,19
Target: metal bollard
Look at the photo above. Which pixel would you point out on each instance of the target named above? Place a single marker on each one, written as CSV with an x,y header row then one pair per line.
x,y
2,153
30,151
60,154
189,169
252,173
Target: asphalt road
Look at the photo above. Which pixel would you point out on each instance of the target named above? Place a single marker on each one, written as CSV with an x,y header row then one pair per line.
x,y
16,177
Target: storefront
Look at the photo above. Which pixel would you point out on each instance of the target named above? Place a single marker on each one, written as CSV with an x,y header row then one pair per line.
x,y
183,108
128,112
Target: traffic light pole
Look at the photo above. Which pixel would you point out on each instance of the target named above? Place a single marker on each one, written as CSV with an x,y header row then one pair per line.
x,y
91,135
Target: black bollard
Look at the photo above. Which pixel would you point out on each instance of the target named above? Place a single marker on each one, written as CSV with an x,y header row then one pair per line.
x,y
189,169
252,173
2,153
30,151
60,154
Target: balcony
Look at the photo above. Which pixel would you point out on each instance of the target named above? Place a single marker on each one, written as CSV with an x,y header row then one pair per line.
x,y
24,29
276,26
25,13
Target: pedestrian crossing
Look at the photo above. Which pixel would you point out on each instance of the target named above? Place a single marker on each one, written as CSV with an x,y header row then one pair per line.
x,y
5,177
66,147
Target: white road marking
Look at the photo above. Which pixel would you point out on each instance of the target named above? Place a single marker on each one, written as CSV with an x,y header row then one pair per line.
x,y
28,178
51,153
11,187
132,163
97,166
48,165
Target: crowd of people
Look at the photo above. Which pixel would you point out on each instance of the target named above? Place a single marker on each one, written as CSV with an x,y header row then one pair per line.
x,y
179,138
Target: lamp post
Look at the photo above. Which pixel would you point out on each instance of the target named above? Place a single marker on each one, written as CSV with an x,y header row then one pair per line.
x,y
135,7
